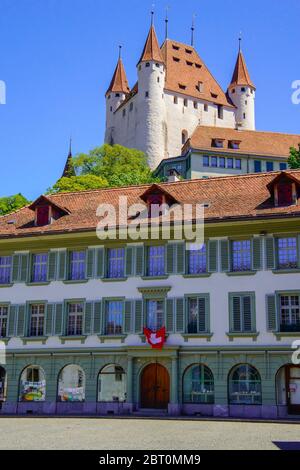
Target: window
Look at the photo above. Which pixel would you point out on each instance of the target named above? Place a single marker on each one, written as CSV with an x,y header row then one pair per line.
x,y
220,111
71,384
233,90
112,384
184,137
218,143
157,65
198,385
39,267
3,321
285,194
197,261
75,319
270,166
200,87
147,64
156,261
283,166
158,79
155,319
257,166
114,318
147,94
190,64
188,51
229,162
124,112
222,162
37,320
185,102
244,115
3,384
233,144
131,107
181,86
117,95
244,386
205,160
176,59
242,313
196,315
5,269
42,215
241,255
32,384
289,313
287,253
195,105
214,162
243,89
238,164
77,265
175,100
206,108
116,263
176,48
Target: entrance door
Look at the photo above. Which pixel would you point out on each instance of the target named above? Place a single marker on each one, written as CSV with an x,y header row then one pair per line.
x,y
293,389
155,387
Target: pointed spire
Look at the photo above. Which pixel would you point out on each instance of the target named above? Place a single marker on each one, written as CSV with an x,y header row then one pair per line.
x,y
167,23
151,49
241,75
119,82
193,31
69,169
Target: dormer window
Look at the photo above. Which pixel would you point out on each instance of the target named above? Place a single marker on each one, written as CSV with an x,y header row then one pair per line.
x,y
176,59
198,66
42,216
176,48
285,194
181,86
189,63
213,95
200,87
285,189
234,144
188,51
219,143
157,200
46,211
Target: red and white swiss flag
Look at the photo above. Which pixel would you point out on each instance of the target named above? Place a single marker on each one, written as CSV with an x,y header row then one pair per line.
x,y
156,339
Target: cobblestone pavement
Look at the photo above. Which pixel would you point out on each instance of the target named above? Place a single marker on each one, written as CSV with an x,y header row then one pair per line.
x,y
142,434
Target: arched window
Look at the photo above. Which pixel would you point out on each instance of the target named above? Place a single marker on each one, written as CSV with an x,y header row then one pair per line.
x,y
32,384
198,385
112,384
244,386
71,384
184,137
3,383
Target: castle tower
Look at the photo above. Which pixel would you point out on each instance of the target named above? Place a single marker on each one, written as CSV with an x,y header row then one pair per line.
x,y
115,95
151,123
69,169
242,93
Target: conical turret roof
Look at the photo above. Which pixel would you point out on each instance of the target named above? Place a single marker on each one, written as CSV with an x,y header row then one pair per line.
x,y
151,51
241,75
119,82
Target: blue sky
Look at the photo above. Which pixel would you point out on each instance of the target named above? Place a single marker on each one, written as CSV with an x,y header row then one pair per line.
x,y
57,58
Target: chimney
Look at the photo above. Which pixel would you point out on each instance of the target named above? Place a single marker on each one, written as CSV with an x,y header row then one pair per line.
x,y
174,176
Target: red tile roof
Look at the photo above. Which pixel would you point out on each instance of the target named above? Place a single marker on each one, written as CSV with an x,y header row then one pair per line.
x,y
119,83
270,144
151,49
229,198
241,75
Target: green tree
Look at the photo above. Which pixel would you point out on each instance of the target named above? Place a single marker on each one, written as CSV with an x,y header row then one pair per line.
x,y
12,203
294,159
78,183
118,165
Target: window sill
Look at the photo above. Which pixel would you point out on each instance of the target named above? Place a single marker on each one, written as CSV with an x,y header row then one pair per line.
x,y
286,334
206,336
286,271
63,339
241,273
115,279
4,340
80,281
3,286
34,339
192,276
154,278
37,284
252,335
111,337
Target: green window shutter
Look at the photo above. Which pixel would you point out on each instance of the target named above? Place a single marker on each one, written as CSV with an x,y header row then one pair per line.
x,y
128,327
62,265
15,268
180,323
139,260
59,314
100,262
235,314
12,321
129,253
212,253
138,317
50,308
248,314
170,258
90,263
225,265
256,254
88,318
21,320
299,251
271,313
97,327
270,253
203,314
24,273
170,316
180,258
52,264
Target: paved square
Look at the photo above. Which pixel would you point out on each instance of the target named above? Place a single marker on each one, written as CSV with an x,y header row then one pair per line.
x,y
141,434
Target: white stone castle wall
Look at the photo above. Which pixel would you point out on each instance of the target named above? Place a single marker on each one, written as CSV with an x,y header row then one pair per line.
x,y
245,102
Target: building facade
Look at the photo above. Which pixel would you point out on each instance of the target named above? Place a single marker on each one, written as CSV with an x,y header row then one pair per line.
x,y
73,308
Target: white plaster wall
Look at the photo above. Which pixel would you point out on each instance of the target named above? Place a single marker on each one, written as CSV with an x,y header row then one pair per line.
x,y
245,102
124,126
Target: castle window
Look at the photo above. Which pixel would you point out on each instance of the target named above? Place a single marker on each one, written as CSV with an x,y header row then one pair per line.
x,y
220,112
184,137
270,166
234,144
219,143
246,102
176,59
185,102
198,66
158,79
189,63
206,108
157,65
131,107
243,89
147,64
124,112
195,105
233,90
200,87
176,48
251,91
244,115
175,100
111,108
117,95
188,51
108,97
182,87
140,67
147,94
